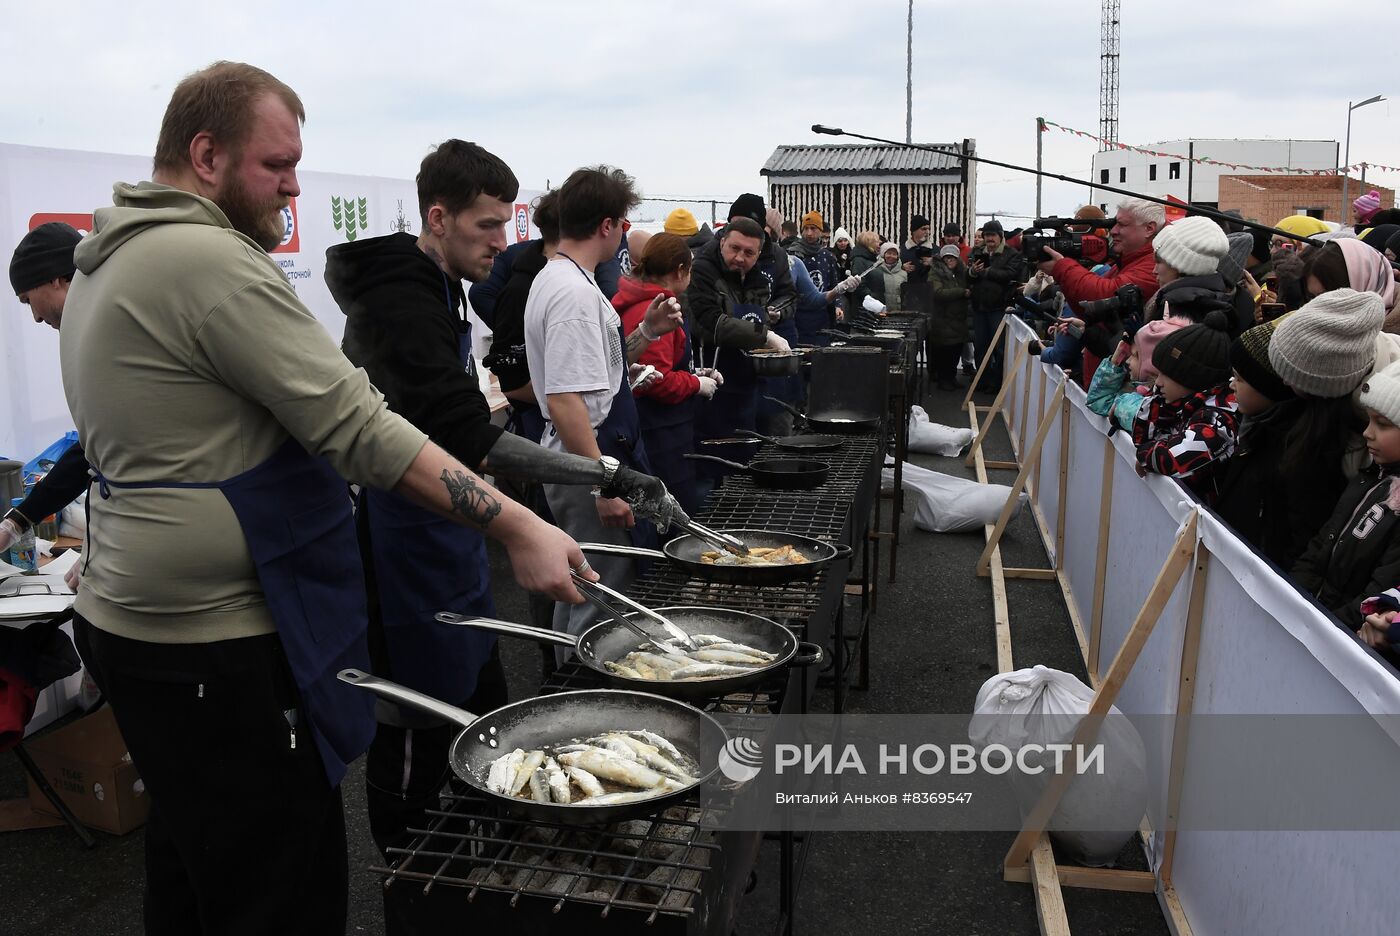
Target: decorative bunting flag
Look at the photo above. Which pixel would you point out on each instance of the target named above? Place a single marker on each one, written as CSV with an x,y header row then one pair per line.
x,y
1201,160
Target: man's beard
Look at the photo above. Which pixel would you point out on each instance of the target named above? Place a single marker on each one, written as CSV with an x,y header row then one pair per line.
x,y
260,220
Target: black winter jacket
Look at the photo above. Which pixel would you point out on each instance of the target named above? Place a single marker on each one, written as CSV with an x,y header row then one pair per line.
x,y
995,288
1276,513
404,318
715,290
1356,554
1191,297
507,356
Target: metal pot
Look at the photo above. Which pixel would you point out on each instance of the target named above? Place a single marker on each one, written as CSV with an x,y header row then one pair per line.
x,y
775,364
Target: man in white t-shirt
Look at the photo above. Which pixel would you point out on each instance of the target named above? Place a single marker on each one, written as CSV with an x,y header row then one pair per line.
x,y
578,367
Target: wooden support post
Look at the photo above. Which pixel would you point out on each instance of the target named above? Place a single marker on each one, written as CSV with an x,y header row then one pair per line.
x,y
1177,560
1064,481
1114,879
1101,561
1030,461
991,349
992,410
1049,901
1001,612
1185,702
1040,575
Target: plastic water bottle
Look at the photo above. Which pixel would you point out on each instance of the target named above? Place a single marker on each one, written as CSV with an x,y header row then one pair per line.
x,y
24,554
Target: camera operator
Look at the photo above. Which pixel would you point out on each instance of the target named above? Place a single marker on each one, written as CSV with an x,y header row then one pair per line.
x,y
1137,223
995,272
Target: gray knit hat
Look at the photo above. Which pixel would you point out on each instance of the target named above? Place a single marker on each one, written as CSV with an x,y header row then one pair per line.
x,y
1327,347
1231,266
1192,246
1381,392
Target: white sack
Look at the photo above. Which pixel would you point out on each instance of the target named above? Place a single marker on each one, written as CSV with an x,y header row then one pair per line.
x,y
945,503
931,438
1043,706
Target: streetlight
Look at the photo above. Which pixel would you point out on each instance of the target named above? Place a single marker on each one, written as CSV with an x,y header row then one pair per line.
x,y
1346,169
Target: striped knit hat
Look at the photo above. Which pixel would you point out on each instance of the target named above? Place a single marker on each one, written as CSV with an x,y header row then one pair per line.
x,y
1249,356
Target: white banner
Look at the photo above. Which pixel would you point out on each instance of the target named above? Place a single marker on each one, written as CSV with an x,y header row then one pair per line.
x,y
1264,648
39,185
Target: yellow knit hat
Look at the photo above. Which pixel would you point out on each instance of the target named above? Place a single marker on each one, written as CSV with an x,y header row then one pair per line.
x,y
681,223
1302,226
813,218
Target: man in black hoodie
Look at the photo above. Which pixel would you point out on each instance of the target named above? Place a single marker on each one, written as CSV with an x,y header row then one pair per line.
x,y
406,326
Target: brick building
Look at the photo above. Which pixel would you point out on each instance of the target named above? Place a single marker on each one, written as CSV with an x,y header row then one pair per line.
x,y
1268,198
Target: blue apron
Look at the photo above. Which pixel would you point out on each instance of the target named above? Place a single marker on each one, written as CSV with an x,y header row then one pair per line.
x,y
294,511
424,563
668,433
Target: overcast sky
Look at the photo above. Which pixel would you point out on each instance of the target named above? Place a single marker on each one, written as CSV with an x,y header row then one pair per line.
x,y
692,97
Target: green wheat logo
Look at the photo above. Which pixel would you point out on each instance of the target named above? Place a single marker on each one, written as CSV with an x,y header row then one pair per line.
x,y
350,215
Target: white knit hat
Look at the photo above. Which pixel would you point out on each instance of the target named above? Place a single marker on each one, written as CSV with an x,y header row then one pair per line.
x,y
1192,246
1381,392
1327,347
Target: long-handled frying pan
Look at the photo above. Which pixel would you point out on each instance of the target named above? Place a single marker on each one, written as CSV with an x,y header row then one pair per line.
x,y
685,551
790,474
608,641
835,419
806,442
547,721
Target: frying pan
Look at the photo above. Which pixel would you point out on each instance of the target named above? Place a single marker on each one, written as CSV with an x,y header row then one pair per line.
x,y
789,474
805,442
685,551
549,720
834,420
608,641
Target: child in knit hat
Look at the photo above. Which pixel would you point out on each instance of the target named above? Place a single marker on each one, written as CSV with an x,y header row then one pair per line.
x,y
1356,553
1286,474
1123,382
1186,429
1187,256
1366,207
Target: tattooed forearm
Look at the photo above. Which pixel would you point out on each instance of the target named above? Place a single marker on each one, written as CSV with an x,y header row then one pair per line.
x,y
636,344
469,499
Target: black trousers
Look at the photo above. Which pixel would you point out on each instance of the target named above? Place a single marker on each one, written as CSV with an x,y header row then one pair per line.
x,y
407,767
943,362
245,834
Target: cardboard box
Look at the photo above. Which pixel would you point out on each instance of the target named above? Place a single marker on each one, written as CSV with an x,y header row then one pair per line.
x,y
88,764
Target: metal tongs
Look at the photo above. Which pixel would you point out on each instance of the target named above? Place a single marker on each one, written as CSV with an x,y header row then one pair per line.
x,y
610,601
730,544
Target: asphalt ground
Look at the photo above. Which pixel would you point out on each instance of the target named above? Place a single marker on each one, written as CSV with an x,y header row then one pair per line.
x,y
932,647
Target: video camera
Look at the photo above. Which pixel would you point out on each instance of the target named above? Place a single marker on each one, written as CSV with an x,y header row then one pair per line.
x,y
1082,246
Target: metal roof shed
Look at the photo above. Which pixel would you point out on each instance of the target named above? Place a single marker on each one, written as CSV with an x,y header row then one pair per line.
x,y
874,186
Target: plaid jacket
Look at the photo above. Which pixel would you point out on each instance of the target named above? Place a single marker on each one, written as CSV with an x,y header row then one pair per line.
x,y
1189,439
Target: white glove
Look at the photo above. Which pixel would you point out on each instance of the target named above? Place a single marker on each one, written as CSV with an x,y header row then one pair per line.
x,y
70,578
778,343
9,534
708,386
847,284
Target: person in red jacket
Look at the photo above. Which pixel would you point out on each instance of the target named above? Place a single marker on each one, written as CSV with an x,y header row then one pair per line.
x,y
1137,222
667,405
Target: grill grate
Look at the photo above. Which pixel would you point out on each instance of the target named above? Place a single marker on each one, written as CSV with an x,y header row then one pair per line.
x,y
653,866
849,465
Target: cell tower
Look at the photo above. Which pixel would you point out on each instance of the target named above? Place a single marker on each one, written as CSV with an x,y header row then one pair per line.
x,y
1108,74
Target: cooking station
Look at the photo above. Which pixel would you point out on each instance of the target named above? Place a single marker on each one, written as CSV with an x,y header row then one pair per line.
x,y
676,871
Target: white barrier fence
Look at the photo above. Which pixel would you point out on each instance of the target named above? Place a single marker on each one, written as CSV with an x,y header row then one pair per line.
x,y
1260,648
